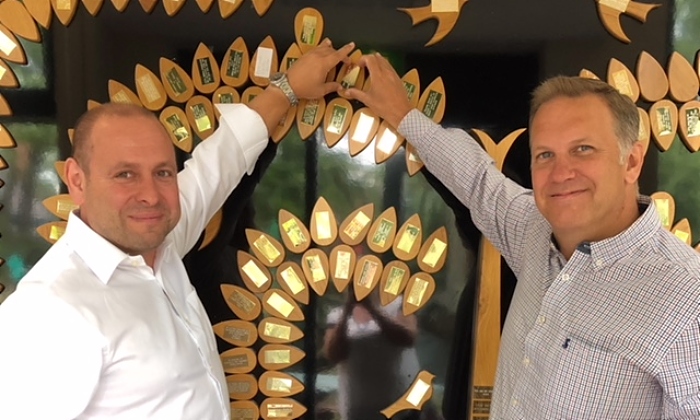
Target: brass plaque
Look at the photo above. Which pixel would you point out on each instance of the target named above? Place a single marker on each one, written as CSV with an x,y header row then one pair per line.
x,y
434,253
339,114
481,407
255,273
235,63
291,228
382,234
201,117
266,248
432,104
314,264
692,117
663,119
310,111
280,410
175,81
351,77
234,362
241,302
358,223
417,292
323,225
279,385
369,268
483,392
263,62
417,392
408,238
277,356
292,279
282,332
205,71
56,232
6,44
410,90
393,282
280,304
683,236
226,98
619,5
308,33
342,268
663,208
244,414
237,334
177,128
622,83
148,87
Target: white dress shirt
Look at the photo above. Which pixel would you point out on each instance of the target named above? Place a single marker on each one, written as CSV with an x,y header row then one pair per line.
x,y
93,333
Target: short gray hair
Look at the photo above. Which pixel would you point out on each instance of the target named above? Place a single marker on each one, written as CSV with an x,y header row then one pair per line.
x,y
624,111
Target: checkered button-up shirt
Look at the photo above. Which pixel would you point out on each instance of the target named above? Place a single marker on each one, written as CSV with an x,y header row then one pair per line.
x,y
612,333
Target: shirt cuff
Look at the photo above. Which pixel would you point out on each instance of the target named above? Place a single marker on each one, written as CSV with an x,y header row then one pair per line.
x,y
248,130
415,127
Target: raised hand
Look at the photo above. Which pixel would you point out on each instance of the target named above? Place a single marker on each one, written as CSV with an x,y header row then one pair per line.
x,y
386,96
307,76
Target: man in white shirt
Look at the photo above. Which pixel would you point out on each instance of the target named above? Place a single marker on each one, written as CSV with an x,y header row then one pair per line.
x,y
107,325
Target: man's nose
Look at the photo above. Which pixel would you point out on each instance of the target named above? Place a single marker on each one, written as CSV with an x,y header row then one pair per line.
x,y
563,169
148,192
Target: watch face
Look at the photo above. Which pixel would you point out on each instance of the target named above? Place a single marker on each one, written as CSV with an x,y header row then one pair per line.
x,y
276,76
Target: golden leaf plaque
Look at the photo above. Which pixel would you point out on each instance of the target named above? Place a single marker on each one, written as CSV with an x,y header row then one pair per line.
x,y
178,127
243,303
324,227
394,279
342,266
238,360
255,275
234,66
292,280
279,356
268,249
368,271
355,227
433,253
237,332
279,384
314,262
294,234
663,118
419,290
279,304
264,62
383,231
278,331
176,81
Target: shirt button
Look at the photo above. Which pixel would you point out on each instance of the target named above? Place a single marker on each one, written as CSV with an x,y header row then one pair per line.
x,y
565,277
526,362
598,263
514,402
541,319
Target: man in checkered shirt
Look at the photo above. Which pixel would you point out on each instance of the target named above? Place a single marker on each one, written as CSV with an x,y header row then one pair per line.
x,y
604,322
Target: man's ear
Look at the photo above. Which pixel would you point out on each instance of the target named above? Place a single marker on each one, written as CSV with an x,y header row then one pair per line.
x,y
634,163
75,176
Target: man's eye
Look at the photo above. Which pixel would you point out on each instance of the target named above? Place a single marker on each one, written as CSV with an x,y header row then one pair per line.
x,y
544,155
584,148
165,173
125,175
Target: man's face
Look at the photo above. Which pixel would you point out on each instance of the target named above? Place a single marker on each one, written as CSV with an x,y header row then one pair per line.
x,y
579,182
129,195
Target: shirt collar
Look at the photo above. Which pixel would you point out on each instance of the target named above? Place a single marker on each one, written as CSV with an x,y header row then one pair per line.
x,y
619,246
100,255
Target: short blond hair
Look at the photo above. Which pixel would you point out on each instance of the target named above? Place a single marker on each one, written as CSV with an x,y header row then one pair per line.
x,y
623,110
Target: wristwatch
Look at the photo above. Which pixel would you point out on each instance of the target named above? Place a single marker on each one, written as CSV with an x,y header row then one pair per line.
x,y
280,80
